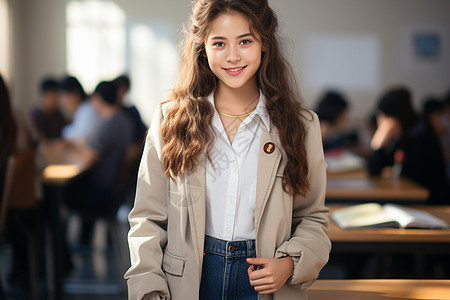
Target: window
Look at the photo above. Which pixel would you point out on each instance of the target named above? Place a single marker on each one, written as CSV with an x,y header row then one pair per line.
x,y
153,66
95,41
4,40
102,44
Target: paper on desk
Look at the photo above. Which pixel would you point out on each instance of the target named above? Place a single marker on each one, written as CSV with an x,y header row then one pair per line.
x,y
343,161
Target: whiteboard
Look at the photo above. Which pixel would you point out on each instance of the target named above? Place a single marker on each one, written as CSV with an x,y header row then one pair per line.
x,y
344,61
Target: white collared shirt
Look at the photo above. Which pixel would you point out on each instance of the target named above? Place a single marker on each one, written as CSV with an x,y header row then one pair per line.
x,y
231,182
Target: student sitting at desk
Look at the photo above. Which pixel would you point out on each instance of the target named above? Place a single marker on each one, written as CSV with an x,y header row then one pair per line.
x,y
446,139
332,111
47,119
433,110
404,141
104,150
437,115
84,118
139,128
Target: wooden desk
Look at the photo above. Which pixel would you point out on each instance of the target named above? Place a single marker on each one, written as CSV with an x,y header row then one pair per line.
x,y
63,166
393,239
380,290
359,187
63,163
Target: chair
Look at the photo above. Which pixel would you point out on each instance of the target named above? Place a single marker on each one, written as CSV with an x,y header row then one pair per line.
x,y
126,181
123,189
19,198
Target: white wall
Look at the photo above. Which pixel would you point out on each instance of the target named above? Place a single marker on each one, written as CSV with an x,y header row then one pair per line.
x,y
40,46
382,20
38,42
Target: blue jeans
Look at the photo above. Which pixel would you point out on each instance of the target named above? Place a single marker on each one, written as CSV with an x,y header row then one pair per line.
x,y
224,273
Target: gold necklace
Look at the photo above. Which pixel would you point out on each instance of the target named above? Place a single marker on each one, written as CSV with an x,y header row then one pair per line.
x,y
236,116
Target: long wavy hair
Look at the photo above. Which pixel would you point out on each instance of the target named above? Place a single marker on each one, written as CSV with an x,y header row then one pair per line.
x,y
187,129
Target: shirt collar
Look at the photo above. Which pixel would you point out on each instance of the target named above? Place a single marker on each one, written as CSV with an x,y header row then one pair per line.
x,y
260,111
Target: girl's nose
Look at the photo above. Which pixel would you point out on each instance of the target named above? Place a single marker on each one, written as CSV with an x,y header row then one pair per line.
x,y
233,55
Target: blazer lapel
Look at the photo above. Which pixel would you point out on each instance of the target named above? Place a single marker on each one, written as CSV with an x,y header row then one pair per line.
x,y
196,191
268,163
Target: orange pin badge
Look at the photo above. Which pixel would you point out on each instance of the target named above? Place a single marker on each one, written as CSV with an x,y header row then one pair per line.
x,y
269,148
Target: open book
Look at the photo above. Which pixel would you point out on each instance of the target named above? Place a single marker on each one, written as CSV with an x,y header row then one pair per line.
x,y
387,215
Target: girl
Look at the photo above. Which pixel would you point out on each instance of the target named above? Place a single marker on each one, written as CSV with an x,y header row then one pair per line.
x,y
230,195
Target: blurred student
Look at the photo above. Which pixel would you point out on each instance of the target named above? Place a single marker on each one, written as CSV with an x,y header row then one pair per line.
x,y
8,132
332,110
139,128
14,138
104,151
84,118
434,114
402,139
446,139
46,116
8,142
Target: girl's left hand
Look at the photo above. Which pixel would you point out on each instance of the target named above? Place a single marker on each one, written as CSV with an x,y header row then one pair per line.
x,y
273,275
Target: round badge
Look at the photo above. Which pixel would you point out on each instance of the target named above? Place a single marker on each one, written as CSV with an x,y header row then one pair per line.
x,y
269,148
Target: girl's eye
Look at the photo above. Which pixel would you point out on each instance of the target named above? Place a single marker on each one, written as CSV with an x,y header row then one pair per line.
x,y
218,44
245,42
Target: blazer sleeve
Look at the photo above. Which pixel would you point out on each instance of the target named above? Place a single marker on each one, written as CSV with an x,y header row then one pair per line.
x,y
309,245
148,220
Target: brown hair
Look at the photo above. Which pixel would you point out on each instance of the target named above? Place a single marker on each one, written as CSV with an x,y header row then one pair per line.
x,y
186,131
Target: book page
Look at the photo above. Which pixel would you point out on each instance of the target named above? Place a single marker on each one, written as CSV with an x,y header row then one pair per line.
x,y
363,215
413,218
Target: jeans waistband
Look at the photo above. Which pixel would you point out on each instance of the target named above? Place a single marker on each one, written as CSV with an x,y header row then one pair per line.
x,y
230,249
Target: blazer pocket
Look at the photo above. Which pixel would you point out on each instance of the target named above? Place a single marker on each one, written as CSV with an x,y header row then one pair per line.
x,y
173,264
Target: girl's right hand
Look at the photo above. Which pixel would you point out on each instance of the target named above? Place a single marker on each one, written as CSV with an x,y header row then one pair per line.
x,y
273,275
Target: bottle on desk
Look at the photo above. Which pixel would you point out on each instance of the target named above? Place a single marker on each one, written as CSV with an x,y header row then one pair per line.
x,y
399,157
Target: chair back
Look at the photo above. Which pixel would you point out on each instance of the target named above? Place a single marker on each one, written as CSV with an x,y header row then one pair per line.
x,y
23,185
128,171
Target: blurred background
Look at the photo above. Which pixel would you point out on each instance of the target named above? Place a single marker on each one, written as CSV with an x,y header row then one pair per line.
x,y
361,47
357,49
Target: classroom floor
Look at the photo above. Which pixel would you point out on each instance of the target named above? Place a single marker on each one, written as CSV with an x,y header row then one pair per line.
x,y
97,272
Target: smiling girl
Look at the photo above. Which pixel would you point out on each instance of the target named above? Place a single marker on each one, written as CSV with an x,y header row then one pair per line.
x,y
231,187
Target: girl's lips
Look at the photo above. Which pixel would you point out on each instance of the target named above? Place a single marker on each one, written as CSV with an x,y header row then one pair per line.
x,y
234,71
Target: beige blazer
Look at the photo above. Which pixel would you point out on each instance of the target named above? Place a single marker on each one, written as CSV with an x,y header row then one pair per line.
x,y
168,221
